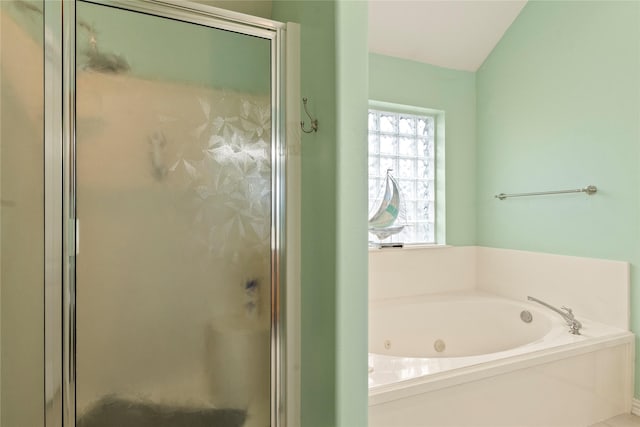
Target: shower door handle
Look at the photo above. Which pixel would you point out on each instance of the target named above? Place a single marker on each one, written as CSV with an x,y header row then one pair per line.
x,y
76,237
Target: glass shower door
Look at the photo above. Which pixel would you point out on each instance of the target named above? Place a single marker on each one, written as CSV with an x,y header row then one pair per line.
x,y
173,201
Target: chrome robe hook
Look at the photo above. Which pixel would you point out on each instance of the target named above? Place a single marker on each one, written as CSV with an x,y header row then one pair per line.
x,y
314,122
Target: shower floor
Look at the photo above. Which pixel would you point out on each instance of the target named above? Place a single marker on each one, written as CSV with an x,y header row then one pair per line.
x,y
116,412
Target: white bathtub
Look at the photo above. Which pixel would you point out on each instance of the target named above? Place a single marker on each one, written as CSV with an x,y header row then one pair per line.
x,y
468,359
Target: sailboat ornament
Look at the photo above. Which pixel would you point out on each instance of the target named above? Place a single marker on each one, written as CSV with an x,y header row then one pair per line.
x,y
383,222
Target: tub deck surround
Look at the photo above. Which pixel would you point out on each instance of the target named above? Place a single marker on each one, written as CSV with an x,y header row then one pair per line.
x,y
503,372
552,378
400,366
574,391
395,272
597,289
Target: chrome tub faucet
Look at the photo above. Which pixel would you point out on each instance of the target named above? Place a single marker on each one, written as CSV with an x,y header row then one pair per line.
x,y
566,313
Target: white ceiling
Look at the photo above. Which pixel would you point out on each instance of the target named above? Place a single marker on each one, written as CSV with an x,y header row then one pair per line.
x,y
457,34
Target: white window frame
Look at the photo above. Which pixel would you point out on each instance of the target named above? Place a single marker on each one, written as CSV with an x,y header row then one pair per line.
x,y
439,220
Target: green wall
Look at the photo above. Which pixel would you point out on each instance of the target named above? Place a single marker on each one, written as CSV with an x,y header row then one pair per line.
x,y
352,199
454,92
334,209
558,107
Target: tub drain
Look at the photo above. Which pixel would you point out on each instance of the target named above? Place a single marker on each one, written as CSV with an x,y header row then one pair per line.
x,y
387,344
439,346
526,316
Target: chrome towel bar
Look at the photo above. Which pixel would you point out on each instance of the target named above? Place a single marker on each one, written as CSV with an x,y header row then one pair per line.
x,y
589,189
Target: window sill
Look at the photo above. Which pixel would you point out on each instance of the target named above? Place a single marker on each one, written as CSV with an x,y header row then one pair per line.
x,y
410,247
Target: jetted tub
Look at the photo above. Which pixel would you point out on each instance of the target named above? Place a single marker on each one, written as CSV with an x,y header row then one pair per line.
x,y
473,359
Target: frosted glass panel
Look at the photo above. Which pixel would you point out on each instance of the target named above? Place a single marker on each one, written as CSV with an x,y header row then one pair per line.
x,y
174,207
21,214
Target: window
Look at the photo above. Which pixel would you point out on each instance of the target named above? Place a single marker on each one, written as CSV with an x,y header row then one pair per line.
x,y
406,144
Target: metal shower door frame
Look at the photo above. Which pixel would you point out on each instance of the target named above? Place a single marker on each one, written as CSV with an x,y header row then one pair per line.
x,y
60,189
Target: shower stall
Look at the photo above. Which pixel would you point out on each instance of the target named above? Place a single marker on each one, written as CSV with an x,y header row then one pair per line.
x,y
146,219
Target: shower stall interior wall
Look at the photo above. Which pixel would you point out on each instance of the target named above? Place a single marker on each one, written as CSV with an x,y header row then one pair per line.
x,y
143,156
